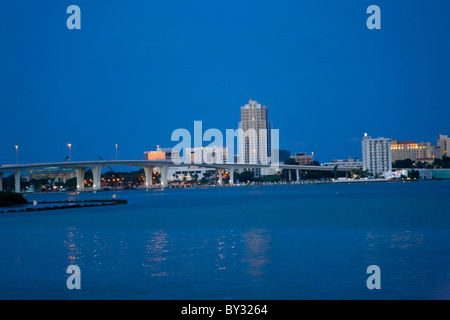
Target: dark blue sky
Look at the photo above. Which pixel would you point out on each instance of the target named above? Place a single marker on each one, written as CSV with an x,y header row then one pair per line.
x,y
137,70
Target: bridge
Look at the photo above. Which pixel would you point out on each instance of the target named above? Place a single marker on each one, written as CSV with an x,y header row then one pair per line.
x,y
148,165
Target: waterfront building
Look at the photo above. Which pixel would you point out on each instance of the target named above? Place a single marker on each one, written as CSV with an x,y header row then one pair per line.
x,y
443,142
346,163
188,172
301,158
208,155
185,173
163,154
376,154
255,135
402,150
423,151
436,153
441,173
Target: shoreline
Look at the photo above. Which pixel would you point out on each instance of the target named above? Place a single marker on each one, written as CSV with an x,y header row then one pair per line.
x,y
107,202
259,184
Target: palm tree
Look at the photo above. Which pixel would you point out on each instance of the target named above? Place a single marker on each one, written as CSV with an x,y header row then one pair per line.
x,y
195,178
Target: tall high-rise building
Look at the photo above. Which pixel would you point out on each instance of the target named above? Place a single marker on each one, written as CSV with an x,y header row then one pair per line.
x,y
255,135
376,154
254,142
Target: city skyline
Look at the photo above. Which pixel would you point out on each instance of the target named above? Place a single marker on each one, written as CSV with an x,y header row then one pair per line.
x,y
240,125
132,82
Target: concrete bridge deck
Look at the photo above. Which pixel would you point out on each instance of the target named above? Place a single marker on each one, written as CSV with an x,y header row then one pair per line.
x,y
148,165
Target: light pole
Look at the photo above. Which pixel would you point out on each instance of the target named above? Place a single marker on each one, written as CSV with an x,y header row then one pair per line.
x,y
117,154
70,151
17,154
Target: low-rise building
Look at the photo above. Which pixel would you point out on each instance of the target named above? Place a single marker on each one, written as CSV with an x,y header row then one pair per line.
x,y
163,154
208,155
423,151
301,158
186,173
402,150
346,163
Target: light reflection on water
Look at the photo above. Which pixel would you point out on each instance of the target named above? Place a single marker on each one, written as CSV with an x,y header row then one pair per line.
x,y
256,251
399,239
293,242
155,254
228,249
406,239
73,252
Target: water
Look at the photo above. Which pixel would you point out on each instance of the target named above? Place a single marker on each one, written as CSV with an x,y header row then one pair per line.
x,y
271,242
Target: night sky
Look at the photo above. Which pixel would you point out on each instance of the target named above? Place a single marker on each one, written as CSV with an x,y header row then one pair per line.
x,y
137,70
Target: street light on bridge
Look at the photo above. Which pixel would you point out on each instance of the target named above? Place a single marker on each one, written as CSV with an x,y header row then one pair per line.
x,y
117,154
70,151
17,154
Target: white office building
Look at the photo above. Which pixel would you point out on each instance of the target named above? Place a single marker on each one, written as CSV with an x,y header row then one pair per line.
x,y
209,155
376,154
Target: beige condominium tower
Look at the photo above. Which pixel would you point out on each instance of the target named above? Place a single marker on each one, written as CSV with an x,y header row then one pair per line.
x,y
255,135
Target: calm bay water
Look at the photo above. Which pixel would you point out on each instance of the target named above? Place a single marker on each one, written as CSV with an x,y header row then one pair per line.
x,y
271,242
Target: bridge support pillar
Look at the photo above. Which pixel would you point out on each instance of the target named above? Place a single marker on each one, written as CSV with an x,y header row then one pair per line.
x,y
298,175
220,174
17,181
80,178
164,170
148,176
231,177
1,181
97,177
289,175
